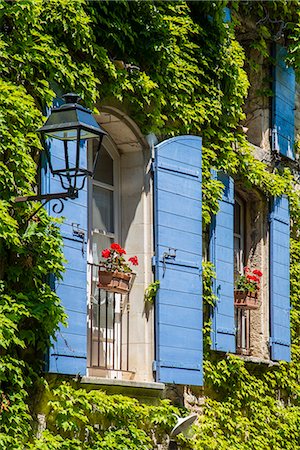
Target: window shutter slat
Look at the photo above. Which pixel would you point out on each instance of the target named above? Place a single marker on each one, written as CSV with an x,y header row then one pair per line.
x,y
283,114
178,259
280,279
221,255
68,354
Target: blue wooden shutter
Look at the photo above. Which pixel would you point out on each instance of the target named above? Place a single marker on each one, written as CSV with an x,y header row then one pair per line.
x,y
227,15
283,110
178,259
280,279
221,255
68,355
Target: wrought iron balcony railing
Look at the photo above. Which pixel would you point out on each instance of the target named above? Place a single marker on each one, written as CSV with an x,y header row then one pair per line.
x,y
108,327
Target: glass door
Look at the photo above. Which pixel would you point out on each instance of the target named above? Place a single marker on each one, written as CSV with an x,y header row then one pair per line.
x,y
242,316
105,318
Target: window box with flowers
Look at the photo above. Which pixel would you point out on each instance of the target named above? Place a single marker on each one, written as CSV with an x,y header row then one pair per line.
x,y
247,289
115,273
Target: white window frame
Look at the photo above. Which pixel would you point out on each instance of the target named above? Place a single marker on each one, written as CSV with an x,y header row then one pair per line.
x,y
241,235
115,188
242,317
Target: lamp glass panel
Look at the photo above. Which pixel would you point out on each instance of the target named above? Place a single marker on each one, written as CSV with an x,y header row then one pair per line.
x,y
56,151
84,134
57,155
71,134
63,135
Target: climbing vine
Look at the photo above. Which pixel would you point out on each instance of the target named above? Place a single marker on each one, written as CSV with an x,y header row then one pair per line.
x,y
188,76
151,291
88,420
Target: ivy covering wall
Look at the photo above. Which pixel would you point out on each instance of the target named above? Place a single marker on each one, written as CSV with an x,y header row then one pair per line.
x,y
191,80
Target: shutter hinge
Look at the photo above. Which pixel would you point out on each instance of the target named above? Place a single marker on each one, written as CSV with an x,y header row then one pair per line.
x,y
179,365
281,342
154,366
178,170
153,261
274,140
226,331
153,166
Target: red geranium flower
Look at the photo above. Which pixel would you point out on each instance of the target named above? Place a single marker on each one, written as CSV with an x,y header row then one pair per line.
x,y
134,260
115,246
253,278
257,272
105,253
115,261
250,281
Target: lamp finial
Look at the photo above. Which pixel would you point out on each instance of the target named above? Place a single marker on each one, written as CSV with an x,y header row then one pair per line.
x,y
71,98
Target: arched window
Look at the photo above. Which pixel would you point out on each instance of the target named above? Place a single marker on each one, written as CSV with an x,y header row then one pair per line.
x,y
242,316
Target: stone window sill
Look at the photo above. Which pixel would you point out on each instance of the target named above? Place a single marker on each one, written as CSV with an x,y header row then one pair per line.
x,y
150,388
256,360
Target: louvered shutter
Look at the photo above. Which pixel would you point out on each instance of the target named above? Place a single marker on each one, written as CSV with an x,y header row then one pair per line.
x,y
227,15
222,256
178,259
283,105
280,279
68,355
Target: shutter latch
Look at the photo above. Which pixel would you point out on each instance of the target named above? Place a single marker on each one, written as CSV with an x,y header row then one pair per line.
x,y
171,254
79,233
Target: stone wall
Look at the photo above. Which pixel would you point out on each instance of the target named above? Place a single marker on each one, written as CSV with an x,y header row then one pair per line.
x,y
257,105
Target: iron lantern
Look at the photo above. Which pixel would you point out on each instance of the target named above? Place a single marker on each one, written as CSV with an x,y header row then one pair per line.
x,y
66,129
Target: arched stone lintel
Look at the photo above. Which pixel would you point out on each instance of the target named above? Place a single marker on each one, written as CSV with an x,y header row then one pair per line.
x,y
122,130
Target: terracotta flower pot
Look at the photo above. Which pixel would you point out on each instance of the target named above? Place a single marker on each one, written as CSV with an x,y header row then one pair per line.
x,y
118,282
245,299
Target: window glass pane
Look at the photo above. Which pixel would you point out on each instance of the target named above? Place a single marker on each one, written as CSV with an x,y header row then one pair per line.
x,y
99,243
238,257
104,169
103,211
237,218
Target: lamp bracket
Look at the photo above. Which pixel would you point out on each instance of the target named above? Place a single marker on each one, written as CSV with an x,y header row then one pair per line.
x,y
45,198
